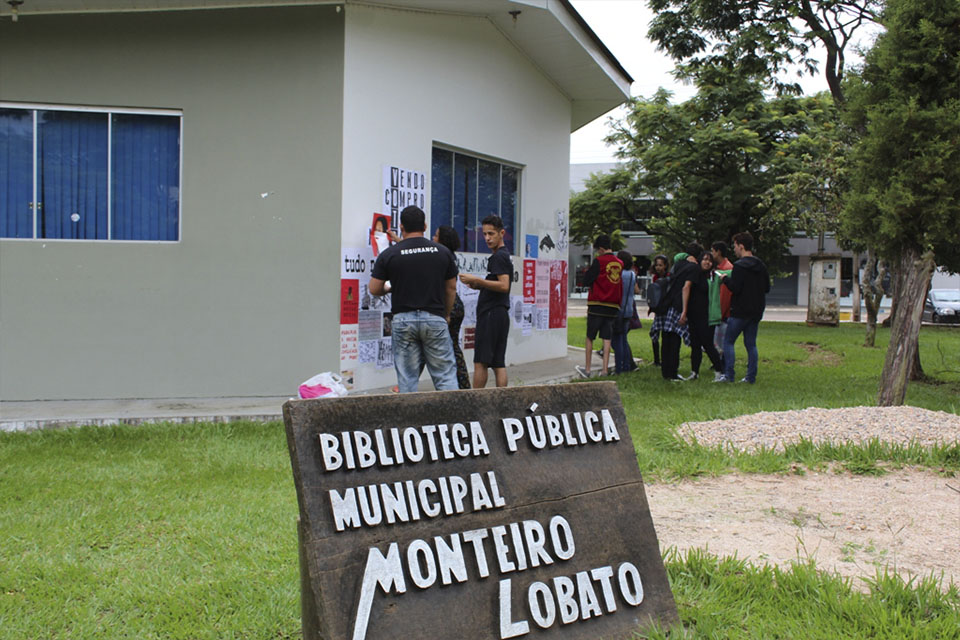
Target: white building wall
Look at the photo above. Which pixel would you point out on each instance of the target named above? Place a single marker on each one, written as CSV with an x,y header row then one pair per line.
x,y
415,78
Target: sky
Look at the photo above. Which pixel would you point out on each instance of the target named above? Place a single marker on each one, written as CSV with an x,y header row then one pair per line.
x,y
622,26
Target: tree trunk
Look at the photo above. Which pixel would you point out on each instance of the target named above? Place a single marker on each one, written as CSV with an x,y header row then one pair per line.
x,y
855,289
915,272
872,286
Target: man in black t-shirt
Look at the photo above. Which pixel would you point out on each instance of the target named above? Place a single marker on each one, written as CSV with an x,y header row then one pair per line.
x,y
493,306
422,277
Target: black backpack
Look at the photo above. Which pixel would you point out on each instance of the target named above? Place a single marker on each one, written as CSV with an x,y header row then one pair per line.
x,y
657,294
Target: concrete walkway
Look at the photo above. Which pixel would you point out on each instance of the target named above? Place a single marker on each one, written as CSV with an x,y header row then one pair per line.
x,y
50,414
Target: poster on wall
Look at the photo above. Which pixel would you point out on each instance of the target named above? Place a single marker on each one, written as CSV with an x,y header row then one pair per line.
x,y
402,188
542,295
530,247
348,346
349,301
558,294
529,281
379,233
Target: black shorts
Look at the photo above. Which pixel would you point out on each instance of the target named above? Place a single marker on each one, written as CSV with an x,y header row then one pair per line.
x,y
599,324
490,342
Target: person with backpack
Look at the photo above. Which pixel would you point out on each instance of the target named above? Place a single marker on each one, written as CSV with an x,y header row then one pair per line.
x,y
659,276
696,314
623,356
674,329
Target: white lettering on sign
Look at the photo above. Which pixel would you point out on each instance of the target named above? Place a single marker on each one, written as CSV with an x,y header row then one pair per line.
x,y
359,450
570,599
552,431
412,500
443,558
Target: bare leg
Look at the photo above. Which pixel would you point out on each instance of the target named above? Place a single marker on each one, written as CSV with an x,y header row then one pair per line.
x,y
589,354
479,375
606,357
500,374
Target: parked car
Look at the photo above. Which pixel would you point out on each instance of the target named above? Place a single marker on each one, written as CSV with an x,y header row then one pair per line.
x,y
942,305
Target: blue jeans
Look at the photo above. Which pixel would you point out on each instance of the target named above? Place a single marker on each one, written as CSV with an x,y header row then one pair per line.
x,y
623,357
748,327
422,338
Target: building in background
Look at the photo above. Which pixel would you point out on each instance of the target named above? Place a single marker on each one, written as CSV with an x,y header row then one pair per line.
x,y
189,190
789,291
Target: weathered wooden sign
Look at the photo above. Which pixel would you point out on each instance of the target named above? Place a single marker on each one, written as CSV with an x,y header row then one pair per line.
x,y
497,513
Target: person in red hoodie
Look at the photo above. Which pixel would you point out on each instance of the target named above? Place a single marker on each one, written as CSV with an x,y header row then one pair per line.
x,y
720,251
603,301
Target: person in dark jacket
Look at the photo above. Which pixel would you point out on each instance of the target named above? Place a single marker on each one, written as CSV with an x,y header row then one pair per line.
x,y
749,283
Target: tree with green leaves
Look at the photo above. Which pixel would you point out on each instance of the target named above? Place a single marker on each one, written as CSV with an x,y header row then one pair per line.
x,y
905,178
710,159
762,38
607,201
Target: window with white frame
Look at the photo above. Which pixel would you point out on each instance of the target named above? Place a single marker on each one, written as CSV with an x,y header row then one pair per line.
x,y
465,189
89,174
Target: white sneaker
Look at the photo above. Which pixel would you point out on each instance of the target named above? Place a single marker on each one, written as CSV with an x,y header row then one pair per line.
x,y
582,371
693,376
719,377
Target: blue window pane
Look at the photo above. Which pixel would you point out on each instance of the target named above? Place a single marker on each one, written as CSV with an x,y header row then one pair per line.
x,y
441,189
72,175
509,204
465,200
488,198
16,173
146,177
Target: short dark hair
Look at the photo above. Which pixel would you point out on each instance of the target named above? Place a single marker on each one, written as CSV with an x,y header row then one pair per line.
x,y
447,236
744,239
494,221
413,219
660,256
721,247
602,242
694,249
625,258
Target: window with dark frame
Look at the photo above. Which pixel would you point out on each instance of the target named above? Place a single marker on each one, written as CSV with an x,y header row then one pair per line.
x,y
89,174
465,189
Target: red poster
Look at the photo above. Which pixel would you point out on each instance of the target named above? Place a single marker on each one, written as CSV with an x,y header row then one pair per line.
x,y
349,301
469,337
529,281
558,294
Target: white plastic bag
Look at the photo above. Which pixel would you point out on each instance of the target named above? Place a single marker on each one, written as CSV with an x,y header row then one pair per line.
x,y
323,385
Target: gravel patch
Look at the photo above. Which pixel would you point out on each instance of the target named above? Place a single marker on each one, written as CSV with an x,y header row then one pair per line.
x,y
775,429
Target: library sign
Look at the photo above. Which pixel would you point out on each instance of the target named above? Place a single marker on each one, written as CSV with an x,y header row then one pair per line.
x,y
495,513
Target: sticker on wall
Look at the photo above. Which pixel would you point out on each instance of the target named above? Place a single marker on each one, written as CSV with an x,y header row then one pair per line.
x,y
367,351
529,311
558,294
469,337
402,188
563,236
384,353
530,249
547,244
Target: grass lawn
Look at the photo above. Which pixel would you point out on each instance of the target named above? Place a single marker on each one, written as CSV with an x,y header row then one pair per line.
x,y
800,367
187,531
